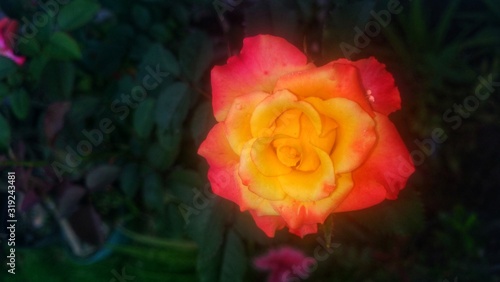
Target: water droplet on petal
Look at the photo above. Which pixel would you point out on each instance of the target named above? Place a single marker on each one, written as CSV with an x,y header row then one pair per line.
x,y
370,96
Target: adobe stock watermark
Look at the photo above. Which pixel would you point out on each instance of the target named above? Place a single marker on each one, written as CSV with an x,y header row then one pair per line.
x,y
454,116
40,19
222,6
201,201
121,276
308,265
362,38
93,138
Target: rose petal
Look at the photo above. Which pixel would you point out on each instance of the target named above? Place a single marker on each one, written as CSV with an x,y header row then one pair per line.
x,y
222,161
326,139
216,148
355,133
334,80
384,173
264,157
380,84
238,119
264,186
268,224
288,123
263,121
296,213
8,30
304,230
310,186
4,22
227,184
288,150
262,60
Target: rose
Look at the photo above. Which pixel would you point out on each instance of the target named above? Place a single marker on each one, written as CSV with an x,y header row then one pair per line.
x,y
295,142
284,264
8,28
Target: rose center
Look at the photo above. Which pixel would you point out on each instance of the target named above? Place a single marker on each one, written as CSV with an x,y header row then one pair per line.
x,y
288,155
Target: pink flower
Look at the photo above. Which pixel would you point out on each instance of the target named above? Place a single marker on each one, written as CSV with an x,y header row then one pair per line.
x,y
284,264
8,28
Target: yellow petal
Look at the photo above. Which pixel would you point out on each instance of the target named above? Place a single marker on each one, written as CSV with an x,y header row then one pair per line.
x,y
288,123
310,139
263,121
326,139
264,186
309,160
355,136
318,211
288,150
297,213
310,186
238,119
265,159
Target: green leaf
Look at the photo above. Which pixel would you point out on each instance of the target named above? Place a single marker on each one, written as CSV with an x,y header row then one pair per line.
x,y
158,157
143,118
174,246
170,141
4,91
493,7
141,42
101,176
445,22
129,179
82,108
246,227
29,47
234,259
58,80
15,79
37,66
183,184
20,103
141,16
152,191
158,59
4,133
207,221
209,259
160,33
7,67
42,33
63,47
159,261
195,55
201,121
168,102
76,14
206,227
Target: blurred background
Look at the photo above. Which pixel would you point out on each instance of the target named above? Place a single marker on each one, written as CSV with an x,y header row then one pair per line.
x,y
103,105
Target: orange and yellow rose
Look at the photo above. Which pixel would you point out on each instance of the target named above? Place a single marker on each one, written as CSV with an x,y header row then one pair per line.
x,y
295,142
